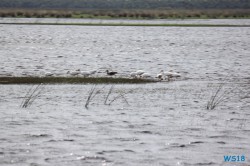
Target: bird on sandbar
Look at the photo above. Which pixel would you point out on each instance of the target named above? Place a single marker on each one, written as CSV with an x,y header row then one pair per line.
x,y
172,74
48,74
146,75
111,73
137,74
74,73
140,72
87,73
169,74
133,74
160,76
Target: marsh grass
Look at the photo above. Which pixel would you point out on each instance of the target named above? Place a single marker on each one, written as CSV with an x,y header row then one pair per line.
x,y
31,95
91,94
108,94
121,94
108,100
221,94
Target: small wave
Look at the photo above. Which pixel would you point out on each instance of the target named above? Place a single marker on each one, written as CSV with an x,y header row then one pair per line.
x,y
195,129
209,163
127,139
177,145
198,164
39,135
146,132
92,158
224,136
221,142
60,140
107,151
128,150
197,142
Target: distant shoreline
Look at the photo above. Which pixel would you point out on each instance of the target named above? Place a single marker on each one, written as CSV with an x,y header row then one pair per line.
x,y
133,14
130,24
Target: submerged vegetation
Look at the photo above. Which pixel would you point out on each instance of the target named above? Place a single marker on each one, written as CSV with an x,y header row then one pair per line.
x,y
127,14
71,80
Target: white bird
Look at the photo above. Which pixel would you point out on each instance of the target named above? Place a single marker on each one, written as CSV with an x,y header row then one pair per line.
x,y
133,74
160,76
48,74
168,74
93,72
146,75
85,73
74,73
139,72
172,74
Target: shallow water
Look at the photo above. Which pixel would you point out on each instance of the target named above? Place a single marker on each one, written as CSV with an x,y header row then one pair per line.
x,y
196,52
154,124
162,124
155,21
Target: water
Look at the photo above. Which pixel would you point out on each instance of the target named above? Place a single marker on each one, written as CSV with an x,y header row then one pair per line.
x,y
154,124
155,21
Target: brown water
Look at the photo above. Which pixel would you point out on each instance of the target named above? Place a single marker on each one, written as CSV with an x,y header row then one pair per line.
x,y
156,124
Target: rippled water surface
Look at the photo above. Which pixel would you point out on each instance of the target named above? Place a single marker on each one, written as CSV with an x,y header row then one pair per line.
x,y
164,123
155,21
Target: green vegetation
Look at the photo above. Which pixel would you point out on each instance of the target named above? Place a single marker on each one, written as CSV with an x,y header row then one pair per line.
x,y
71,80
128,14
131,9
126,4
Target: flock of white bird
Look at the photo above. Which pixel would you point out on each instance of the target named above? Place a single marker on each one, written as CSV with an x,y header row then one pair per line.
x,y
139,74
77,72
82,73
161,76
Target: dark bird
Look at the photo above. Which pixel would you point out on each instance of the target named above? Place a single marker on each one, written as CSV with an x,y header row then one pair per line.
x,y
111,73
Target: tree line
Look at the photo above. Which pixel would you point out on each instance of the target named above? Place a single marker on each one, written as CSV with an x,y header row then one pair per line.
x,y
126,4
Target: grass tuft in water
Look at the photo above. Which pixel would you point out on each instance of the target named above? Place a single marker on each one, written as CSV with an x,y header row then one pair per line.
x,y
92,93
32,94
221,95
120,95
